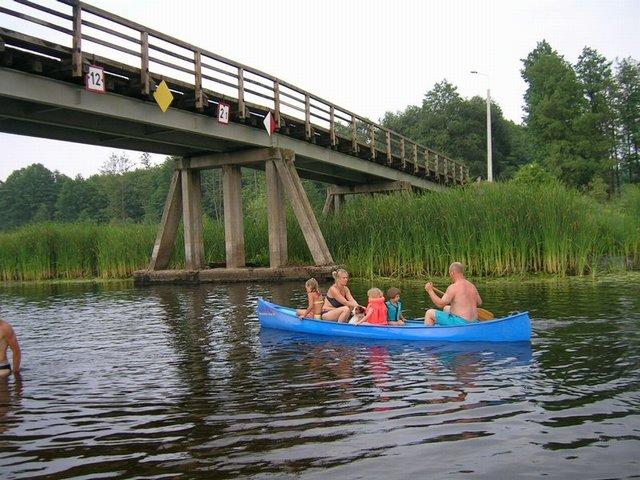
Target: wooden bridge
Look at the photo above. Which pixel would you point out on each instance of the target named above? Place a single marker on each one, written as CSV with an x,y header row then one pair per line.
x,y
48,51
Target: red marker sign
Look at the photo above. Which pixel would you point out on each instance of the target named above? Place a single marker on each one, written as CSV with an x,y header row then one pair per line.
x,y
269,123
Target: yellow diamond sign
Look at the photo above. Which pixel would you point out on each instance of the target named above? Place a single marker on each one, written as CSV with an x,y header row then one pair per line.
x,y
163,96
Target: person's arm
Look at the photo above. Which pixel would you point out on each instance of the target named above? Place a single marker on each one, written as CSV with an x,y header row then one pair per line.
x,y
350,302
439,302
367,314
12,342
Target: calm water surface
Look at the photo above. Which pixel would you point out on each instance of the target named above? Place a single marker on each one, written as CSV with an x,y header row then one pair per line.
x,y
179,382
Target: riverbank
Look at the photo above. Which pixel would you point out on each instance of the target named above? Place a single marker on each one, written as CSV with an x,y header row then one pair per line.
x,y
496,230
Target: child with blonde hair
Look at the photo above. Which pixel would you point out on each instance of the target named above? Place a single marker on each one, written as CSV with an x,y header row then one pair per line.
x,y
315,299
376,311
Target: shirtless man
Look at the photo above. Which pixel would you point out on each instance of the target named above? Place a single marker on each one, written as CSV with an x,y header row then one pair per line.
x,y
459,302
8,340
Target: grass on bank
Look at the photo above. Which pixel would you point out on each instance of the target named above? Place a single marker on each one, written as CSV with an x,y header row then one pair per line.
x,y
495,229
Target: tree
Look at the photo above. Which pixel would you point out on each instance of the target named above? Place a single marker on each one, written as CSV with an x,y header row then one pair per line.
x,y
554,104
79,199
598,120
456,127
627,107
29,194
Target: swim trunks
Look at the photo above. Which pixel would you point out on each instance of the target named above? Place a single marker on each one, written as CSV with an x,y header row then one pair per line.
x,y
449,319
5,366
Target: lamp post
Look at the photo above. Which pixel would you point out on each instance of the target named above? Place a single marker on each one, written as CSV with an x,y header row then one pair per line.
x,y
489,155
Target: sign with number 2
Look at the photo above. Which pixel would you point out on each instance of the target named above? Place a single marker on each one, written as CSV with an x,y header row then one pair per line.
x,y
223,112
95,79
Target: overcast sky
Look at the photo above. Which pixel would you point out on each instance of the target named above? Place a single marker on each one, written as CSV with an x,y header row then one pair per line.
x,y
366,56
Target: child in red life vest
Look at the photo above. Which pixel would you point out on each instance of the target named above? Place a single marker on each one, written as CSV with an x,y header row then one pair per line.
x,y
376,312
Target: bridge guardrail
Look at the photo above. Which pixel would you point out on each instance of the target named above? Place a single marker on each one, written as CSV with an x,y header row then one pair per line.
x,y
203,78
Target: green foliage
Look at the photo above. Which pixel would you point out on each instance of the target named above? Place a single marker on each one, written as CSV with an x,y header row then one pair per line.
x,y
597,189
456,127
29,194
534,174
627,106
495,229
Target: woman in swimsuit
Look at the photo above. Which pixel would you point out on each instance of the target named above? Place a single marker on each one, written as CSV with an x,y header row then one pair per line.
x,y
339,301
315,298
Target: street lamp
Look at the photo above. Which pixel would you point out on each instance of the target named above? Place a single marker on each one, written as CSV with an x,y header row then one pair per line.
x,y
489,156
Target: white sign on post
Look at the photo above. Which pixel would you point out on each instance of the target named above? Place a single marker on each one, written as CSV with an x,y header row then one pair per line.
x,y
223,112
95,79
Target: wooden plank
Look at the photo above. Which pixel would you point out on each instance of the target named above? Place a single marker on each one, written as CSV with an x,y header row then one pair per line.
x,y
241,106
192,219
415,158
218,160
307,117
233,216
328,204
76,55
303,212
338,204
389,153
373,142
354,136
276,103
145,82
402,155
368,188
197,62
276,217
332,126
166,237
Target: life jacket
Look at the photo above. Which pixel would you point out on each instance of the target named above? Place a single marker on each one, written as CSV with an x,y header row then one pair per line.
x,y
379,315
395,311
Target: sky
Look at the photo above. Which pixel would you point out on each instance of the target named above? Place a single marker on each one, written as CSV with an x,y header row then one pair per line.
x,y
368,56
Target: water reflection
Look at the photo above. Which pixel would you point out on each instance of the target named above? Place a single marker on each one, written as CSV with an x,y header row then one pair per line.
x,y
173,382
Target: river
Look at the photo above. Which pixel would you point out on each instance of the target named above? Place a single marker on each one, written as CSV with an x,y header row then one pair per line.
x,y
179,382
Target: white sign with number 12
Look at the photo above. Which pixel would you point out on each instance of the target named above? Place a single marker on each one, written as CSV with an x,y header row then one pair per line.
x,y
95,79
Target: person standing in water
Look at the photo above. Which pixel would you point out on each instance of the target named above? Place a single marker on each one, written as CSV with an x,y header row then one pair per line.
x,y
9,340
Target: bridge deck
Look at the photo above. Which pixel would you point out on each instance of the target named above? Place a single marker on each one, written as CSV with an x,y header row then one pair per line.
x,y
42,94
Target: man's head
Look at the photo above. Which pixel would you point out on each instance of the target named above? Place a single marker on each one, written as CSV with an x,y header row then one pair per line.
x,y
456,270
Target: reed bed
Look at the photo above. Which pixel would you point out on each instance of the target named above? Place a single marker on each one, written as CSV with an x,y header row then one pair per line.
x,y
494,229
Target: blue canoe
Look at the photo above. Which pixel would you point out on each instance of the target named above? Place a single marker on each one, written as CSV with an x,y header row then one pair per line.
x,y
514,328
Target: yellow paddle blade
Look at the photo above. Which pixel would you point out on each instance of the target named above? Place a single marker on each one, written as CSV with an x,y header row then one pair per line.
x,y
484,315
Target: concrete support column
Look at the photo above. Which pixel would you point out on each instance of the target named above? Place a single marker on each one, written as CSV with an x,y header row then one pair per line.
x,y
166,238
338,202
192,219
277,217
233,218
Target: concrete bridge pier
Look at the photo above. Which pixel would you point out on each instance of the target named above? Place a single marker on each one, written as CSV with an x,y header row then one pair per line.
x,y
336,194
184,200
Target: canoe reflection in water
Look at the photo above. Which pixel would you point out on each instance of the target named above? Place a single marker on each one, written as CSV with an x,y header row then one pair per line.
x,y
396,373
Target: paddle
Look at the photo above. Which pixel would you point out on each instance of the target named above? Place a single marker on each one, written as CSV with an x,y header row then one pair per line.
x,y
483,315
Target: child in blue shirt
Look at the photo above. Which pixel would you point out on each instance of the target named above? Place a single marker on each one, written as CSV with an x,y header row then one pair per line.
x,y
394,307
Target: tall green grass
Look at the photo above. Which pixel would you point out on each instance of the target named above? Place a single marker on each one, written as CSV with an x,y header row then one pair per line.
x,y
494,229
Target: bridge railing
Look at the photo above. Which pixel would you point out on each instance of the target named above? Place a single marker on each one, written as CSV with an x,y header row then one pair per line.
x,y
201,78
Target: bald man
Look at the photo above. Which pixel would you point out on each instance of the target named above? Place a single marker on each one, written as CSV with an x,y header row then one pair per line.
x,y
8,340
459,303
